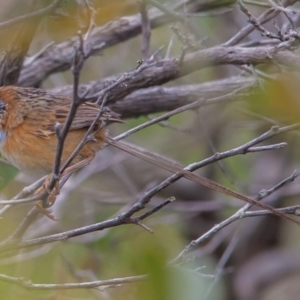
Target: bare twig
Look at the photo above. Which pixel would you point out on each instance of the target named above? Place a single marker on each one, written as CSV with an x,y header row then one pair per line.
x,y
187,172
28,285
79,59
154,210
24,193
190,106
240,214
289,39
146,30
59,57
19,201
266,16
165,70
32,15
124,218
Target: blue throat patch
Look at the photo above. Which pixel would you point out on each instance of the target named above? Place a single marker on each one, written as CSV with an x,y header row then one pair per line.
x,y
2,137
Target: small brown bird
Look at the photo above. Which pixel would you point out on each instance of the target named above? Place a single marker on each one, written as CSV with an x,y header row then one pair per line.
x,y
27,128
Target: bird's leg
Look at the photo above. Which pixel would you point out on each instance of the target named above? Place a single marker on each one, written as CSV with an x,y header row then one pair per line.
x,y
52,195
45,186
67,171
47,211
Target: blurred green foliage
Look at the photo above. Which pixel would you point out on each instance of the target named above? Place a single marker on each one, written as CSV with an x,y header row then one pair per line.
x,y
126,251
7,174
279,99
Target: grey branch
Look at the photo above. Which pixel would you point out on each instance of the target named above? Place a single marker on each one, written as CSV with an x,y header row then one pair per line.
x,y
162,71
57,58
27,284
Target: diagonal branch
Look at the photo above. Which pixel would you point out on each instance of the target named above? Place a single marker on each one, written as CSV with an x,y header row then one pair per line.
x,y
165,70
28,285
57,58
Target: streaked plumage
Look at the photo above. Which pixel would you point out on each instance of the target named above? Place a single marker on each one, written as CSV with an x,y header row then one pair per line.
x,y
27,121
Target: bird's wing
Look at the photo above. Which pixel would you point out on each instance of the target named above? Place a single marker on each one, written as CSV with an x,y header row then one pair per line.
x,y
85,115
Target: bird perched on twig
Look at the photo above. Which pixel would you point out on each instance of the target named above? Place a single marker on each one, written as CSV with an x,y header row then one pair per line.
x,y
28,118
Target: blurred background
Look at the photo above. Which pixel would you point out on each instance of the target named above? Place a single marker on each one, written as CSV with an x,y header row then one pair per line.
x,y
252,258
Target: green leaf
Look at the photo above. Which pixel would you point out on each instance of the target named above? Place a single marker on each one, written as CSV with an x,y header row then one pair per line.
x,y
7,174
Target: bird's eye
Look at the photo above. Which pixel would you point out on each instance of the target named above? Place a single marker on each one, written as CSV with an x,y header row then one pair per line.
x,y
2,105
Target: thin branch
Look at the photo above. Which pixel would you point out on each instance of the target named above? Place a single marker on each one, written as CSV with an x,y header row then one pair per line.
x,y
154,210
92,24
267,148
257,3
254,21
20,201
32,15
79,59
102,98
265,193
146,30
187,172
190,106
175,16
219,270
25,192
266,16
124,218
86,136
165,70
59,57
240,214
28,285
